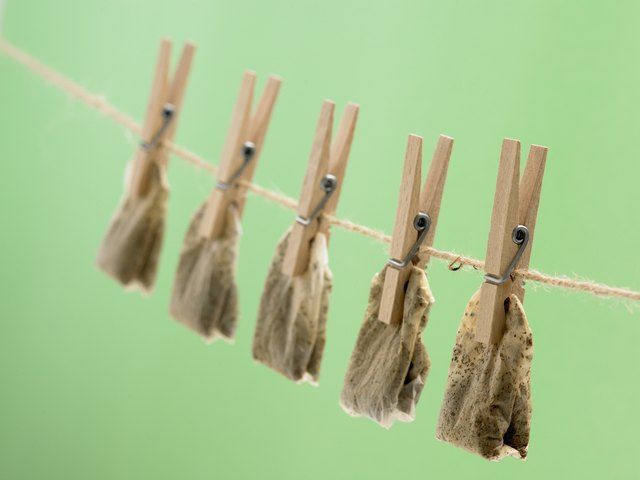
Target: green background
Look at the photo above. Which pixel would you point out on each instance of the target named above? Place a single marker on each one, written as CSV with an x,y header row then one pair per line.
x,y
97,383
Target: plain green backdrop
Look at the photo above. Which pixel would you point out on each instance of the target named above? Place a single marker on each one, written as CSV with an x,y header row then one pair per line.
x,y
97,383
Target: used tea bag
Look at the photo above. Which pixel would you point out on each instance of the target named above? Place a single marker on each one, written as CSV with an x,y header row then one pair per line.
x,y
487,404
205,297
291,330
389,364
130,248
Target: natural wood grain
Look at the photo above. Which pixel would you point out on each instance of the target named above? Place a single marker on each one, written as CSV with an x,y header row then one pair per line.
x,y
530,188
153,118
431,195
213,219
297,256
404,234
500,247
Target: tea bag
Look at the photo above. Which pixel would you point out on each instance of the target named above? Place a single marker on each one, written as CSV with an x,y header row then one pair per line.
x,y
205,297
130,248
487,404
291,329
389,364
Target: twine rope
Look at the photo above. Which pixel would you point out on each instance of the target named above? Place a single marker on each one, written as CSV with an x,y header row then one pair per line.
x,y
100,104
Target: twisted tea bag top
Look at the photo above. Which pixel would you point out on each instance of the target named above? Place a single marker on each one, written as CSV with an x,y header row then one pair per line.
x,y
205,295
389,364
130,248
487,404
291,329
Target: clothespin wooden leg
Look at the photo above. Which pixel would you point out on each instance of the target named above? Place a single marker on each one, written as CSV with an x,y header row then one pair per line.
x,y
404,233
340,149
297,255
431,196
258,127
500,248
140,167
179,86
530,188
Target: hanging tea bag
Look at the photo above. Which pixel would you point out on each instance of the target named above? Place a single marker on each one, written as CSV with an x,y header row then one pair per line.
x,y
291,329
487,404
129,250
205,297
389,363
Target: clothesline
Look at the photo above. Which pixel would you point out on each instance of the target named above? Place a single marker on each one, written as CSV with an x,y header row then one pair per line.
x,y
100,104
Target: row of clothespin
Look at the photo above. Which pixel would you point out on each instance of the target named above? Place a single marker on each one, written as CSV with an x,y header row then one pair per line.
x,y
514,211
513,222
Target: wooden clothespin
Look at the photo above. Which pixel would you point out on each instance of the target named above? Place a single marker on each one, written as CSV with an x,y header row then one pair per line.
x,y
163,108
240,154
515,210
322,185
416,220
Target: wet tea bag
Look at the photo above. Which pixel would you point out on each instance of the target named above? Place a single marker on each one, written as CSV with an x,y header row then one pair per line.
x,y
205,296
291,329
487,404
389,363
129,250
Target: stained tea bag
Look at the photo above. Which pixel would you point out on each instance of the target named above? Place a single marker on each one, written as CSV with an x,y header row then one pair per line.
x,y
130,248
204,294
291,329
487,404
389,363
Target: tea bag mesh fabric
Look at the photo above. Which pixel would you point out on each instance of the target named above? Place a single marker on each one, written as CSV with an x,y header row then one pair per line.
x,y
291,329
205,295
389,364
487,404
130,248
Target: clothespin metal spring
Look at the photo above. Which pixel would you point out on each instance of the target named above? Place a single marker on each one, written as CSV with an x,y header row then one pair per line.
x,y
329,183
520,237
248,151
167,115
421,223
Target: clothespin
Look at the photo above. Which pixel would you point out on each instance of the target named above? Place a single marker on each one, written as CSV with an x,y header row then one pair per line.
x,y
240,154
515,210
163,108
322,184
416,220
